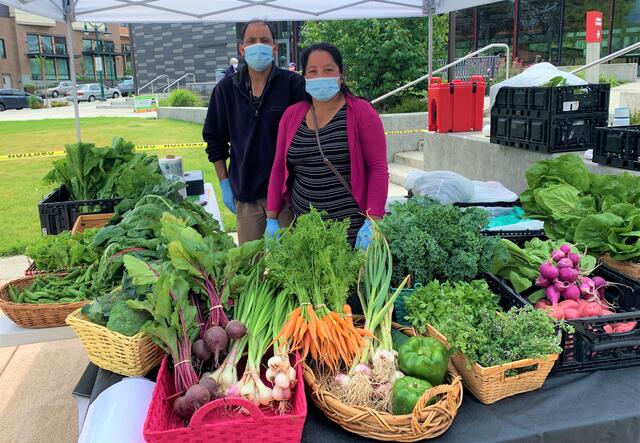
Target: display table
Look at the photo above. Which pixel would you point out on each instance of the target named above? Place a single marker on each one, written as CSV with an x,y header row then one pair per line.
x,y
13,335
600,406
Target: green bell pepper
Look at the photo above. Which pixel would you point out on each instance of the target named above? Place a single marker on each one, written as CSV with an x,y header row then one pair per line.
x,y
406,393
425,358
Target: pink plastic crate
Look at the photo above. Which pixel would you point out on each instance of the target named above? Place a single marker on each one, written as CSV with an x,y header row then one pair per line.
x,y
217,422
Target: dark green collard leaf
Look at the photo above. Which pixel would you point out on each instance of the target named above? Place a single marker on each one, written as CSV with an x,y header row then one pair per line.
x,y
593,230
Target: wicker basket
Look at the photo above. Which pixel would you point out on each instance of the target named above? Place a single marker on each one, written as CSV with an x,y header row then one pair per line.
x,y
628,267
496,382
128,356
33,315
86,221
425,421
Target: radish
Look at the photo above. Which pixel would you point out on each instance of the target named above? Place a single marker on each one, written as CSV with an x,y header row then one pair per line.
x,y
560,285
557,255
565,248
575,259
548,271
553,294
599,282
542,282
568,274
571,293
565,263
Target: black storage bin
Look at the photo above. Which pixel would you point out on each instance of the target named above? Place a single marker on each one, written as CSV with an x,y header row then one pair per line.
x,y
557,100
58,213
537,131
590,348
618,146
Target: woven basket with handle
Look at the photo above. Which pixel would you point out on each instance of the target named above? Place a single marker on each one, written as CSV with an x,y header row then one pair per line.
x,y
129,356
425,421
501,381
33,315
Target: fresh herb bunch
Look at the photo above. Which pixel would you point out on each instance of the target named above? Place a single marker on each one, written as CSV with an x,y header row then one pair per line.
x,y
594,210
62,251
498,338
435,303
430,241
89,172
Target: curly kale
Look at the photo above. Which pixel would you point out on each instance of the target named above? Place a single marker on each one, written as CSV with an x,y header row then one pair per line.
x,y
126,321
430,241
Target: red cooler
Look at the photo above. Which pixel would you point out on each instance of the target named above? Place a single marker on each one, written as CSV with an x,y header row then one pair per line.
x,y
456,106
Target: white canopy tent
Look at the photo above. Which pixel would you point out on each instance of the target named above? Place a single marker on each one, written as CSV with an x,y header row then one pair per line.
x,y
156,11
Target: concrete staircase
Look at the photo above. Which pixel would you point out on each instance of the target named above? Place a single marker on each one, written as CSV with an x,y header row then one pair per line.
x,y
404,163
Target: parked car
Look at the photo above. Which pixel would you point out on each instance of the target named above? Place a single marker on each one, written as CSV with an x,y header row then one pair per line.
x,y
91,91
126,87
60,89
15,99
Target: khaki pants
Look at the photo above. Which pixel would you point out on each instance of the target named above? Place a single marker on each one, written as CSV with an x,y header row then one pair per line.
x,y
252,219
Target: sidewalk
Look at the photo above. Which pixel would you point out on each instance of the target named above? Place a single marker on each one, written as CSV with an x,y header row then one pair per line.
x,y
86,110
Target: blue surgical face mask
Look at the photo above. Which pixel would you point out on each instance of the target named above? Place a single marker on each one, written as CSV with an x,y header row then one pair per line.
x,y
323,88
258,56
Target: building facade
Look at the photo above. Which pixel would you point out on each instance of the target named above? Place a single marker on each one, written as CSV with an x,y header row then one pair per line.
x,y
202,49
34,50
547,30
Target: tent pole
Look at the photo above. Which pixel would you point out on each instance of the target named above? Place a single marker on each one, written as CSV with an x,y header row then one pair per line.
x,y
430,41
72,74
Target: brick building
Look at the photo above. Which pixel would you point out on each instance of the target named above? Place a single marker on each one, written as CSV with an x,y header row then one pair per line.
x,y
33,50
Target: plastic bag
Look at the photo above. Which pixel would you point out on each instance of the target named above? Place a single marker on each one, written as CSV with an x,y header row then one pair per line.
x,y
536,75
489,192
444,186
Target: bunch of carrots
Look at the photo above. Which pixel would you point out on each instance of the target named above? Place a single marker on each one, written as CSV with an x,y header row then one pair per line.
x,y
331,339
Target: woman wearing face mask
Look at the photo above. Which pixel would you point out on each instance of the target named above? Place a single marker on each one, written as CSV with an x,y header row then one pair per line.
x,y
331,151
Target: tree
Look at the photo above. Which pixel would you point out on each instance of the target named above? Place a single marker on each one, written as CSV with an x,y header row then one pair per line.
x,y
381,54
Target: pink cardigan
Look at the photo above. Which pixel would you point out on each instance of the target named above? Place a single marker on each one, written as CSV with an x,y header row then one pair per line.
x,y
367,148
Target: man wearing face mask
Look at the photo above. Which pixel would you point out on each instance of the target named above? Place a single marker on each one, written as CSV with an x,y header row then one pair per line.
x,y
233,67
244,111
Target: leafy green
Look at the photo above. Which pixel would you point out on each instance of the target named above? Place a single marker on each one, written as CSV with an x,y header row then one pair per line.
x,y
601,212
62,251
125,320
434,302
430,241
89,172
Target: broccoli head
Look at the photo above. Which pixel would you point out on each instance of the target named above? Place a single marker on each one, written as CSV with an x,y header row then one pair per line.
x,y
126,321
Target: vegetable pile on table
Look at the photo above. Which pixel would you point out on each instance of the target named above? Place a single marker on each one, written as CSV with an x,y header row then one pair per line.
x,y
51,288
63,251
600,212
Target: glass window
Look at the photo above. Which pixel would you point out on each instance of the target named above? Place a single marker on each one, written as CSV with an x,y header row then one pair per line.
x,y
36,68
109,67
108,46
626,24
61,46
87,45
32,44
538,31
126,47
3,51
88,66
495,23
62,67
49,69
574,45
464,32
47,44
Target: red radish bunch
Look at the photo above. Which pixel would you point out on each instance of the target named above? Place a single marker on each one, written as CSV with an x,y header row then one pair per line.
x,y
562,278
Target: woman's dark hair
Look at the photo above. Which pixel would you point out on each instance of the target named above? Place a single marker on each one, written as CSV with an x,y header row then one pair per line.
x,y
262,22
335,54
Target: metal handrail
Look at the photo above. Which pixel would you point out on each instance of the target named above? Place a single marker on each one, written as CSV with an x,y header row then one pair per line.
x,y
445,67
153,81
186,75
606,58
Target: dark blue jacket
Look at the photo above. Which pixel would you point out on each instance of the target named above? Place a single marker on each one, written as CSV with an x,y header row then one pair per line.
x,y
233,118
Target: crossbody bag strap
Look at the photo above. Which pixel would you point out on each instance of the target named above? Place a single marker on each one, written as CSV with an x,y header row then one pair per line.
x,y
324,157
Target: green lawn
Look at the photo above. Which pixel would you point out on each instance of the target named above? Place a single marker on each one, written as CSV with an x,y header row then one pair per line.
x,y
21,187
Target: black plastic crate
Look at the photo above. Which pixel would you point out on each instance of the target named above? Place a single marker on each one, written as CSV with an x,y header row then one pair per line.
x,y
618,146
589,348
557,100
576,132
58,213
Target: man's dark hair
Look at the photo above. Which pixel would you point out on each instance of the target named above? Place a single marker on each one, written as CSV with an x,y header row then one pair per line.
x,y
263,22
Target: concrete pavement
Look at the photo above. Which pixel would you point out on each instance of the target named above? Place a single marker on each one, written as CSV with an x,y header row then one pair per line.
x,y
86,110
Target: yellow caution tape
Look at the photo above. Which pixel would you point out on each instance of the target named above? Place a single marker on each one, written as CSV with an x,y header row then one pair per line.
x,y
43,154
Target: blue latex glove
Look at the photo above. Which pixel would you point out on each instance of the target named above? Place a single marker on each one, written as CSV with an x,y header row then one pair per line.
x,y
364,235
271,231
227,195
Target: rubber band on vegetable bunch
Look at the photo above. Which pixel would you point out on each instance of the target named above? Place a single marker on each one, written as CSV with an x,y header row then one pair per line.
x,y
315,262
